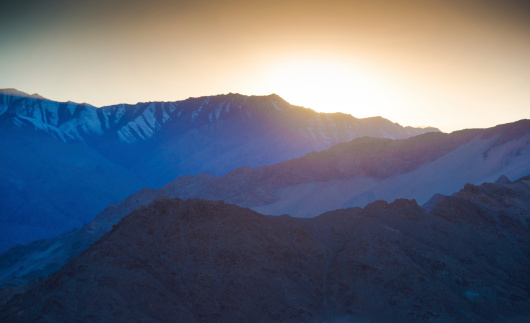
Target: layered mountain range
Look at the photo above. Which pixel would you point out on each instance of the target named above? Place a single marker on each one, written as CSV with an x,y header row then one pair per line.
x,y
416,251
349,174
460,258
368,169
62,163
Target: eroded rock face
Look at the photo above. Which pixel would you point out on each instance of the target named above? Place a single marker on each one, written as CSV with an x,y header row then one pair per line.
x,y
467,259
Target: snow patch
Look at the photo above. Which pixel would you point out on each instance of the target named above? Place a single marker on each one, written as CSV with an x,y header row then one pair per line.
x,y
196,112
88,121
17,122
165,115
276,107
119,114
172,107
51,112
218,110
35,114
388,136
149,116
54,131
142,129
126,136
106,114
310,130
71,107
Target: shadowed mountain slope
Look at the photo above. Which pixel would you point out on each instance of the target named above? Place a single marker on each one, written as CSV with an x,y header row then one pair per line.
x,y
48,186
62,163
466,260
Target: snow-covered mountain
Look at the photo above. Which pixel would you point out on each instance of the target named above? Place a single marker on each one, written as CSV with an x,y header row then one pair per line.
x,y
162,140
63,162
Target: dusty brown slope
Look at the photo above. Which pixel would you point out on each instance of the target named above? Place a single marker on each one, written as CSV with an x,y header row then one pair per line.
x,y
466,260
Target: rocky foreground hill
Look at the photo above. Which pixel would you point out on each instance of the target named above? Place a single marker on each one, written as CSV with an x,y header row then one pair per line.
x,y
460,258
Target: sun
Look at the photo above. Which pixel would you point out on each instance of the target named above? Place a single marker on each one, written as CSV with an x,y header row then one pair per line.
x,y
328,85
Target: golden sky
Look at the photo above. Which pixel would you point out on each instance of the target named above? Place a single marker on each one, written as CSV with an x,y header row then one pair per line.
x,y
451,64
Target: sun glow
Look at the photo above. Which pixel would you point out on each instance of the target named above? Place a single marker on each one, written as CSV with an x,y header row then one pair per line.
x,y
330,86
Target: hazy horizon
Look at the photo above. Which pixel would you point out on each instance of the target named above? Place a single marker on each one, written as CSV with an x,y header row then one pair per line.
x,y
446,64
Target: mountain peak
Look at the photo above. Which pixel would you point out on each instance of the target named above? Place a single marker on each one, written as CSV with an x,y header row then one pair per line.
x,y
13,92
503,180
275,96
37,96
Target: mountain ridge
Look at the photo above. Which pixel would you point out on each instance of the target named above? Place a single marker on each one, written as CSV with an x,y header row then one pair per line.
x,y
373,160
145,145
128,123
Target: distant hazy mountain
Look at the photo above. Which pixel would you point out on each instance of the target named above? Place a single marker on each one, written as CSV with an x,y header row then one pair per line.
x,y
369,169
464,258
349,174
62,162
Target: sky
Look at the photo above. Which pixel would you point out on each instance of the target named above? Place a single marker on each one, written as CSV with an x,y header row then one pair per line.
x,y
451,64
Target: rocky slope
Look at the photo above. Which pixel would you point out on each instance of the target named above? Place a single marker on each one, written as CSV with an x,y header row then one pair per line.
x,y
86,157
464,258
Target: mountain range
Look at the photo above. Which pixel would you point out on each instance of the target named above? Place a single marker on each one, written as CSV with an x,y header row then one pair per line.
x,y
367,169
62,163
247,208
460,258
349,174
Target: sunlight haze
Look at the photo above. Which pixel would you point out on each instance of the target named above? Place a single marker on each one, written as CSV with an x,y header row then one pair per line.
x,y
448,64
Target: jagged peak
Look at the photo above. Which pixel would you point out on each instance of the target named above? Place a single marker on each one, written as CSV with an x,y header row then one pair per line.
x,y
17,93
37,96
13,92
433,201
405,203
377,118
503,180
225,97
377,205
